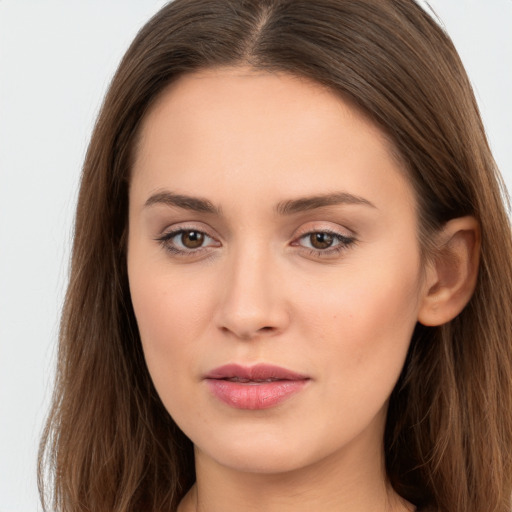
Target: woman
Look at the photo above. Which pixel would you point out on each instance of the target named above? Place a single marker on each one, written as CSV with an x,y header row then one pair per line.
x,y
291,272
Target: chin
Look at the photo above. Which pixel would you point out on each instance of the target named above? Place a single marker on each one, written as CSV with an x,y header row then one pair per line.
x,y
260,444
259,457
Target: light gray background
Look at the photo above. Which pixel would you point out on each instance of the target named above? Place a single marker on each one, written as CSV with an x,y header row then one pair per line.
x,y
56,60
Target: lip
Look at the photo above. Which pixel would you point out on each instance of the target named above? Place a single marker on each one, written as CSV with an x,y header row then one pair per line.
x,y
254,387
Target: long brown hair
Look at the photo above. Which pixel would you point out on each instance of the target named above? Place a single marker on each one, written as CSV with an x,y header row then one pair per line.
x,y
109,443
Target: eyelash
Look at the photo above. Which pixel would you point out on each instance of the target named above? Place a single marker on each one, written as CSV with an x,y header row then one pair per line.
x,y
166,241
343,244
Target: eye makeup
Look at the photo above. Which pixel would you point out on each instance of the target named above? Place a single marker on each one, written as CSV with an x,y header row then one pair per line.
x,y
189,241
324,243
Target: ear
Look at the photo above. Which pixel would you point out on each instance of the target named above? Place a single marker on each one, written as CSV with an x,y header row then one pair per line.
x,y
451,277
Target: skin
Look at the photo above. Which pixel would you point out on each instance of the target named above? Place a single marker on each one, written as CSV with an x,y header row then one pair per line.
x,y
255,291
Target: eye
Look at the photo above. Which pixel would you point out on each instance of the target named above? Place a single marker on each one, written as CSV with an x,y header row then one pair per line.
x,y
324,243
192,239
321,240
183,241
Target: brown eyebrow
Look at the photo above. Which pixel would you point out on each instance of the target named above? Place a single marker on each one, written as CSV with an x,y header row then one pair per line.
x,y
195,204
288,207
310,203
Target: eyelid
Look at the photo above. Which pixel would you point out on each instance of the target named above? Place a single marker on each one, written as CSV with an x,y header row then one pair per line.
x,y
324,227
172,231
344,240
188,226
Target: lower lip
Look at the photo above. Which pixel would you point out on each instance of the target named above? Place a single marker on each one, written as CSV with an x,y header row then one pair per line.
x,y
254,395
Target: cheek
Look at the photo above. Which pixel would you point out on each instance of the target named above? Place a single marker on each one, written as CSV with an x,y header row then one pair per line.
x,y
170,308
364,323
170,315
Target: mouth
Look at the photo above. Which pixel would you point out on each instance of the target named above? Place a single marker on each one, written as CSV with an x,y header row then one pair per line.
x,y
242,380
257,387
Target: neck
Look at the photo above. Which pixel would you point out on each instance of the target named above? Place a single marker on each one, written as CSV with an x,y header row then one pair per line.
x,y
356,485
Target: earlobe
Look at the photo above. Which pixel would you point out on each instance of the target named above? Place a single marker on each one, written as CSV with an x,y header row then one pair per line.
x,y
451,277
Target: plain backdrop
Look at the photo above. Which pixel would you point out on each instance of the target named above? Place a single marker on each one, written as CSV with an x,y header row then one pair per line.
x,y
56,60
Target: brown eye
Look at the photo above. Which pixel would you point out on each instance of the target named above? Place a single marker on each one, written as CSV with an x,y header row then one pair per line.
x,y
324,244
188,242
192,239
321,240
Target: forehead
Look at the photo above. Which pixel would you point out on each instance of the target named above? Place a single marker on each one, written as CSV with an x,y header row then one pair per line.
x,y
260,132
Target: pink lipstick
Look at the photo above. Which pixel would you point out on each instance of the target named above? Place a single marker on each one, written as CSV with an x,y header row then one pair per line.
x,y
256,387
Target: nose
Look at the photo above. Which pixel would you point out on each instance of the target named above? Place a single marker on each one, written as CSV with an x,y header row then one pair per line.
x,y
253,300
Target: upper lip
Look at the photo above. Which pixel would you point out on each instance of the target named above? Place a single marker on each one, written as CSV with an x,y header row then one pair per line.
x,y
258,372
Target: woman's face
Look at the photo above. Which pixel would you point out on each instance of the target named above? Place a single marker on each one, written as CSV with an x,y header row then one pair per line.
x,y
274,269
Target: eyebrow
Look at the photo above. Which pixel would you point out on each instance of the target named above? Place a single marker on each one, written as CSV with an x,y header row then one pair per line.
x,y
313,202
288,207
196,204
